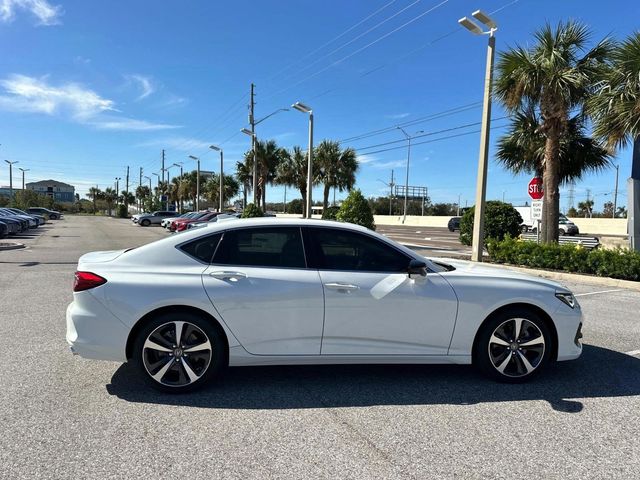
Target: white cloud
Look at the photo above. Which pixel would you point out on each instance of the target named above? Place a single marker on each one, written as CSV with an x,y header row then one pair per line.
x,y
144,83
129,124
46,13
184,144
389,164
32,94
364,159
397,116
36,95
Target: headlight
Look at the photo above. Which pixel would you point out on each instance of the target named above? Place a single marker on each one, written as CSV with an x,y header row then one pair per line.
x,y
567,298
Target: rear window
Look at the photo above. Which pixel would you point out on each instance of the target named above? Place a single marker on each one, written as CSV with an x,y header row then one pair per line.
x,y
202,248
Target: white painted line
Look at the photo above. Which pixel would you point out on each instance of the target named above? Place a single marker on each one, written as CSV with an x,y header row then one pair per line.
x,y
427,238
596,293
419,231
633,353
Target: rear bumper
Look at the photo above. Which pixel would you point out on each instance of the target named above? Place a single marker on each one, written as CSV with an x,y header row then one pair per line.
x,y
94,332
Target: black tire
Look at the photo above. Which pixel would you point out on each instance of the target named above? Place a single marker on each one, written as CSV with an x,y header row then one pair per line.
x,y
145,223
524,229
53,216
206,364
561,232
489,356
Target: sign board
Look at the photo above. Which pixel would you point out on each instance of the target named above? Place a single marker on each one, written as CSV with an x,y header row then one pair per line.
x,y
536,210
535,188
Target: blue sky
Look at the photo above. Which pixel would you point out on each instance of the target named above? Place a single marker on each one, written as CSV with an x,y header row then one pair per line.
x,y
88,87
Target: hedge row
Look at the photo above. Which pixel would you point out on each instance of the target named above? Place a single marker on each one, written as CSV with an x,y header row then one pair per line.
x,y
619,263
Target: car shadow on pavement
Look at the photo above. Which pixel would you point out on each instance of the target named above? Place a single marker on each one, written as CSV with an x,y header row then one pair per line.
x,y
598,373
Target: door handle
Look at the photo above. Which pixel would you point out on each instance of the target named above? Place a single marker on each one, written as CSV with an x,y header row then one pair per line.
x,y
233,276
346,287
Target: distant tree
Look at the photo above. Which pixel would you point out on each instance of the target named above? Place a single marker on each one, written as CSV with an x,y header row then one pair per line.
x,y
621,212
110,196
295,206
95,194
443,209
572,212
585,208
244,174
337,168
212,188
607,210
355,209
252,211
292,172
127,198
269,156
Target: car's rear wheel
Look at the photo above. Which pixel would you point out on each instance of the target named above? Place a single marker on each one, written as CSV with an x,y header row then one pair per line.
x,y
145,223
53,216
179,352
513,346
524,229
561,232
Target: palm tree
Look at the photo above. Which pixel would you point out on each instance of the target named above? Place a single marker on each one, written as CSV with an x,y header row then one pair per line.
x,y
212,188
244,173
556,75
110,196
292,172
269,157
337,168
94,194
522,149
127,198
586,208
142,192
616,112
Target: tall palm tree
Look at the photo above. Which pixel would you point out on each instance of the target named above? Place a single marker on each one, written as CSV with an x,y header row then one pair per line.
x,y
556,75
244,173
522,149
616,112
269,156
292,172
142,192
231,188
337,168
110,196
94,194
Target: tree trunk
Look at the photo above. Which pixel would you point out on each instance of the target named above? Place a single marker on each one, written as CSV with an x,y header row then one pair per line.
x,y
244,198
303,192
325,199
264,195
551,182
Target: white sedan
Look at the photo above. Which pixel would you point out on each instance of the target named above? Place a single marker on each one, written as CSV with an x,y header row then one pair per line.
x,y
284,292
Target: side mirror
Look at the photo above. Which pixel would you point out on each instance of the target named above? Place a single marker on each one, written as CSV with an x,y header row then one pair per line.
x,y
417,267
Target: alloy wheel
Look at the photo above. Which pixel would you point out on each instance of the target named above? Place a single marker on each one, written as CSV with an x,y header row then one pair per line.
x,y
516,347
177,354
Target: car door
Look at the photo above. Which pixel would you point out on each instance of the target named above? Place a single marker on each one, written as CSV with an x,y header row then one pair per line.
x,y
260,285
372,307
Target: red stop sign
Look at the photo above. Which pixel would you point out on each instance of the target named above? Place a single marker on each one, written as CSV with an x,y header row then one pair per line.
x,y
535,188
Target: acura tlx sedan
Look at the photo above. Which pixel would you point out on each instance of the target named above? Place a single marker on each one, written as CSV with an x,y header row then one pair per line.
x,y
284,292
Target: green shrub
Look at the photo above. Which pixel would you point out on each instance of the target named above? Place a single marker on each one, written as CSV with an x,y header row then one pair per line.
x,y
330,213
500,219
252,211
619,263
122,211
356,209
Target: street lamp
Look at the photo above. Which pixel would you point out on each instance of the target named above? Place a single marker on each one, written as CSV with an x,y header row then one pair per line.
x,y
301,107
406,181
158,184
218,149
192,157
483,159
23,170
11,178
117,190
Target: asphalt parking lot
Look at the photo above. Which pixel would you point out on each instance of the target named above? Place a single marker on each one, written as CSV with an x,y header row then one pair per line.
x,y
66,417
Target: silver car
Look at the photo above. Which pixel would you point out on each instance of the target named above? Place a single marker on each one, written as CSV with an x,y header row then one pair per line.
x,y
154,218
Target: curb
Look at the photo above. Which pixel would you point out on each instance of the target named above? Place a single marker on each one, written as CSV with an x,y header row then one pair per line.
x,y
10,246
574,277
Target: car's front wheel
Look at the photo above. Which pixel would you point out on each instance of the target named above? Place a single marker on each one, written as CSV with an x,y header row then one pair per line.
x,y
145,223
513,346
179,352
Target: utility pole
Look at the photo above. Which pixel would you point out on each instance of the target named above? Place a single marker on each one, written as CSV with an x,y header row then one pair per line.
x,y
615,194
253,146
140,184
164,206
126,199
571,195
391,184
11,178
23,170
458,214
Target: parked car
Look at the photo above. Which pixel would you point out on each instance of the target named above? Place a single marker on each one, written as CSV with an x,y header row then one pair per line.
x,y
15,225
27,222
154,218
40,218
182,223
170,222
454,224
4,230
291,291
52,214
219,218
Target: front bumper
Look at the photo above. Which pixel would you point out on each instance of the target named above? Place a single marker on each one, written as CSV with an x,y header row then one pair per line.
x,y
568,324
93,331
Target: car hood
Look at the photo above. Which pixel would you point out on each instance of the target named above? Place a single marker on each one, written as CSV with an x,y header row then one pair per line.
x,y
464,267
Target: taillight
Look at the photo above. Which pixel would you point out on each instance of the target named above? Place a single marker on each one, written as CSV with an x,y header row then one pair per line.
x,y
86,281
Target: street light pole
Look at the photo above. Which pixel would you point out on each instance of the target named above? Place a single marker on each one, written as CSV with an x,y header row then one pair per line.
x,y
406,183
117,190
23,170
221,202
483,158
192,157
301,107
11,178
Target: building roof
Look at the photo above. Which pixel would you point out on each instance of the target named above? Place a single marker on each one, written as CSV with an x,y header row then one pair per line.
x,y
49,182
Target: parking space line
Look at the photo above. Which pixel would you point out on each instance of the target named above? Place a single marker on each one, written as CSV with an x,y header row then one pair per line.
x,y
633,353
596,293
